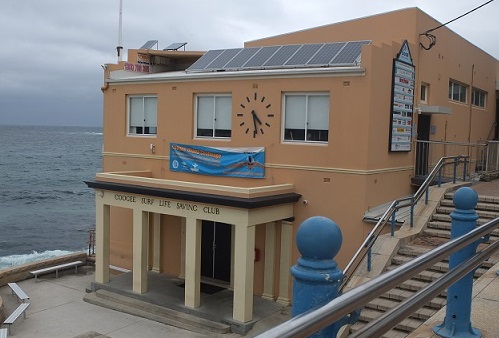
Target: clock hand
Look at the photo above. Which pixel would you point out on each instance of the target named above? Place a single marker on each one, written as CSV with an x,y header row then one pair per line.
x,y
255,131
255,117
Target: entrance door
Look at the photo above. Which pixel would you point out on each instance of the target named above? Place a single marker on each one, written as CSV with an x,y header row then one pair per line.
x,y
216,241
422,150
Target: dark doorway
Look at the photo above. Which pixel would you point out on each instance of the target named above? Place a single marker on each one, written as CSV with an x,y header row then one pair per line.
x,y
423,148
216,250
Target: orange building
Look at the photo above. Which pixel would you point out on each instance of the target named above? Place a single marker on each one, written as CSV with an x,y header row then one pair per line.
x,y
212,160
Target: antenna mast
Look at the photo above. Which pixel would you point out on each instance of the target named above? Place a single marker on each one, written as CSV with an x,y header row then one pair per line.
x,y
119,48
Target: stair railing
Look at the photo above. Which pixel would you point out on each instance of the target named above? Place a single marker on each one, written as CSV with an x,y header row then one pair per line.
x,y
435,176
348,302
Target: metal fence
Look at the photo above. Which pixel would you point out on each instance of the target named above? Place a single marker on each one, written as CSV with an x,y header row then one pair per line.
x,y
484,157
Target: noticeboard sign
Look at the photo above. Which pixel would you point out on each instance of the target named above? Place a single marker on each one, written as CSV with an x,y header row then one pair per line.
x,y
402,103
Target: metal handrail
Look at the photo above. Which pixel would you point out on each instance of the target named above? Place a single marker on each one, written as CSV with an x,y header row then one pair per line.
x,y
410,201
317,319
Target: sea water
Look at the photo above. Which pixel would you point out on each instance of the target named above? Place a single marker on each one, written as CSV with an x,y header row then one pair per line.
x,y
46,209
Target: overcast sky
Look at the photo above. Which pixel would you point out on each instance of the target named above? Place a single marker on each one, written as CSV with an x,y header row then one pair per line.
x,y
51,50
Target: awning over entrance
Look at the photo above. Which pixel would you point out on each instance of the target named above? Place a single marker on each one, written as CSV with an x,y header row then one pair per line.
x,y
194,203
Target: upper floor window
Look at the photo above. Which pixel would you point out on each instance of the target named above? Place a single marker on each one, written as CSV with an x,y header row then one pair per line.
x,y
306,117
213,116
423,97
478,98
457,91
142,115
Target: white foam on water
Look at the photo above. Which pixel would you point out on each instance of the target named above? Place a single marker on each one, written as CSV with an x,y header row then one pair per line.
x,y
14,260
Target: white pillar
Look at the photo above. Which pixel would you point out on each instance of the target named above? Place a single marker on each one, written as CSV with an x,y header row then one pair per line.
x,y
269,262
156,257
192,262
182,248
243,273
102,238
285,263
140,252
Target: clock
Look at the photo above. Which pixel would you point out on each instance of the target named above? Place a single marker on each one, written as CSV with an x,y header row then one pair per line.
x,y
254,115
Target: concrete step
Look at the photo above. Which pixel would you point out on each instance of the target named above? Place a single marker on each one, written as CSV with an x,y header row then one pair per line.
x,y
407,325
400,295
483,214
154,312
443,225
390,334
443,267
481,199
488,205
386,304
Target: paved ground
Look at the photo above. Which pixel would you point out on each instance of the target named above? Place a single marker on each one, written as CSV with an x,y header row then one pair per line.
x,y
57,310
487,188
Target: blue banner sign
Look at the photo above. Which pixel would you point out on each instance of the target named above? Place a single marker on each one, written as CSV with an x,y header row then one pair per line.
x,y
231,162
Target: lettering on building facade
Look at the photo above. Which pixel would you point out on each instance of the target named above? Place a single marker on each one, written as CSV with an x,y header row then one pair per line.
x,y
167,204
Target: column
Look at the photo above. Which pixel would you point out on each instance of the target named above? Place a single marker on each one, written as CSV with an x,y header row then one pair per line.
x,y
102,237
156,247
182,248
140,245
269,263
285,263
243,273
192,262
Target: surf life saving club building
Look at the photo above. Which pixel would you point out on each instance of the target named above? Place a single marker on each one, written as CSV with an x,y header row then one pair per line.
x,y
212,160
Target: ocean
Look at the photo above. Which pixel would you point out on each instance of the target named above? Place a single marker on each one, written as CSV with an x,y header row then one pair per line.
x,y
46,209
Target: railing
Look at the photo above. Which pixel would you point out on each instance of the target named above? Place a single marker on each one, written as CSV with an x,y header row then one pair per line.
x,y
411,201
483,157
492,156
317,319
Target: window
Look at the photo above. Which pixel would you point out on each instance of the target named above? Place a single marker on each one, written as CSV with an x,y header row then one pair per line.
x,y
457,91
214,116
306,117
424,93
143,111
478,97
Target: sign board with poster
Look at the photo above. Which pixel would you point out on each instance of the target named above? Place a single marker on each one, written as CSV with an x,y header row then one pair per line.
x,y
221,161
402,103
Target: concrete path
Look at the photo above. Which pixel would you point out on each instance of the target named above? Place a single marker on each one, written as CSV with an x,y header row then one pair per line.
x,y
57,310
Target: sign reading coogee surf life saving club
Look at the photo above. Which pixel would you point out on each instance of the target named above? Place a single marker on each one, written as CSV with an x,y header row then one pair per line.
x,y
401,120
230,162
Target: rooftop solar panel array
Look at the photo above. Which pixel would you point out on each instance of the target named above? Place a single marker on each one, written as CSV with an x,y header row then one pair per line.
x,y
288,56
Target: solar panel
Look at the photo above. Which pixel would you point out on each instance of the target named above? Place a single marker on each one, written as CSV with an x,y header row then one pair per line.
x,y
242,57
176,46
206,59
149,44
304,54
269,57
350,54
223,58
282,55
326,54
261,56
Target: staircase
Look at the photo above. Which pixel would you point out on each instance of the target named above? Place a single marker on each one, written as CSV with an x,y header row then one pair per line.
x,y
436,233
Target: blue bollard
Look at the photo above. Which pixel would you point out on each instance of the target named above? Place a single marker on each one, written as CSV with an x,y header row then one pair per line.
x,y
457,322
317,277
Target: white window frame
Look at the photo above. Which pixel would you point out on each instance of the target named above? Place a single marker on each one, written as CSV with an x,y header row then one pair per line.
x,y
482,98
148,125
425,91
458,92
217,119
302,117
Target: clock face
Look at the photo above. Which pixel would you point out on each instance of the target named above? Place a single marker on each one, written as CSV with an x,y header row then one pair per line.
x,y
255,115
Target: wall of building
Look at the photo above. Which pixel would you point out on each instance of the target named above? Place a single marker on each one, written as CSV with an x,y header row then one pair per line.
x,y
342,179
